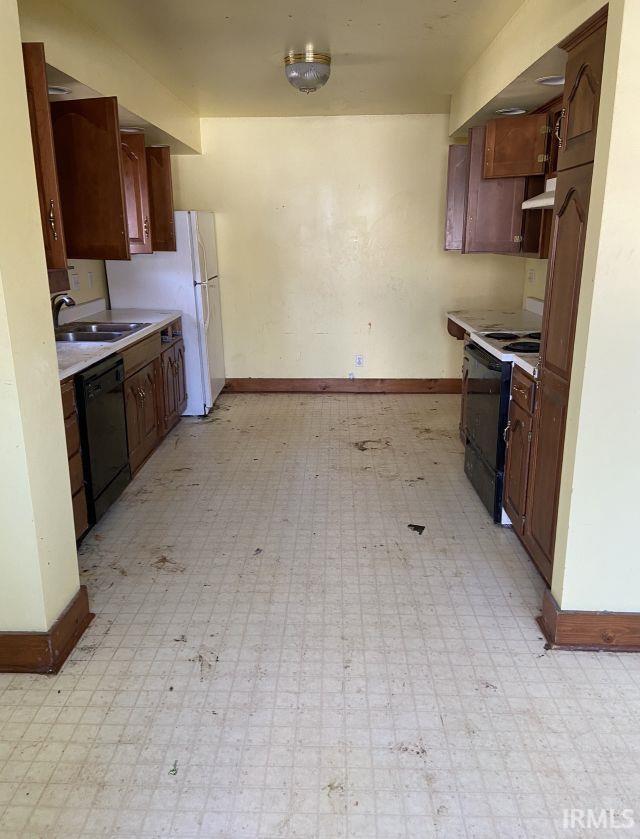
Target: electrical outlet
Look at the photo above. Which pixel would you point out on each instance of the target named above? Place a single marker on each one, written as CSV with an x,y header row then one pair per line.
x,y
531,276
75,281
90,278
359,361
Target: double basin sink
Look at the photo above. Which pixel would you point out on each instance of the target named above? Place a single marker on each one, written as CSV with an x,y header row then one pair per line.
x,y
81,331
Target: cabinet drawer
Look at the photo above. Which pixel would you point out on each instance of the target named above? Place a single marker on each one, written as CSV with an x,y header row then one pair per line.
x,y
523,389
68,393
76,475
141,354
80,518
72,433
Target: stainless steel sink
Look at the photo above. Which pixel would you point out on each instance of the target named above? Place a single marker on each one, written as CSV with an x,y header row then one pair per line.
x,y
78,336
96,331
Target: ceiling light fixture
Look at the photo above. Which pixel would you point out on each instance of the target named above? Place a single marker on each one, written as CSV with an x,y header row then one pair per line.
x,y
551,81
307,71
56,90
513,111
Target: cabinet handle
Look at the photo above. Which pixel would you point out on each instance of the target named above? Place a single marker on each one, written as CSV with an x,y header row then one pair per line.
x,y
52,220
506,432
558,127
146,228
518,239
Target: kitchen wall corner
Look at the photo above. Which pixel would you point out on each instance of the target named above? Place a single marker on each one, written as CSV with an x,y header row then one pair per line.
x,y
88,280
535,278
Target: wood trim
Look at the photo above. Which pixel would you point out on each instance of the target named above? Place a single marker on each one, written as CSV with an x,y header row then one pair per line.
x,y
46,652
573,630
587,28
343,386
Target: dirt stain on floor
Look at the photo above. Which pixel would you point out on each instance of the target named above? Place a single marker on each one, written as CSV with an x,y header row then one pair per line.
x,y
372,445
163,563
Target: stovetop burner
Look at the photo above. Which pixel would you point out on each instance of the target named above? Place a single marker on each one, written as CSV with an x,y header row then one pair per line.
x,y
535,335
523,346
501,336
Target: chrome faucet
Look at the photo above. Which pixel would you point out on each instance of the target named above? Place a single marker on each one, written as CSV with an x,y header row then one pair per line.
x,y
57,302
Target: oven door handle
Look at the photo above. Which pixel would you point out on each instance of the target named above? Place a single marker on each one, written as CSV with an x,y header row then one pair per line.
x,y
483,357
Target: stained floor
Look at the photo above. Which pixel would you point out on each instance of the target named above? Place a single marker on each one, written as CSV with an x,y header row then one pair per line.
x,y
277,653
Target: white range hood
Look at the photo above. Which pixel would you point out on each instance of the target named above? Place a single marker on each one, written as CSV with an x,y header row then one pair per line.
x,y
545,200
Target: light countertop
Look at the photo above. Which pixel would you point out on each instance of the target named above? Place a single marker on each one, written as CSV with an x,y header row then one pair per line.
x,y
75,357
477,321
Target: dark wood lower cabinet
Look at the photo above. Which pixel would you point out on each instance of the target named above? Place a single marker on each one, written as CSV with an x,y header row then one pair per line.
x,y
74,455
169,395
174,392
546,467
141,406
181,377
519,436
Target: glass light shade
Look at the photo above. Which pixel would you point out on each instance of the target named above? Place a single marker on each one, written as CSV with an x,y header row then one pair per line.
x,y
307,72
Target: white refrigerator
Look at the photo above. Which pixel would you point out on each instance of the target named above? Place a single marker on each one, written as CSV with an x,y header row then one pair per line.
x,y
185,279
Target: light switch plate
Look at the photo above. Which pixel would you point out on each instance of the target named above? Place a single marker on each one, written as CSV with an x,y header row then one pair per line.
x,y
75,281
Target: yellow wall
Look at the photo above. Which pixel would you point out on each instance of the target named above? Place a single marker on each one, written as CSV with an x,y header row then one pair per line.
x,y
38,562
534,29
88,56
330,235
535,278
92,276
596,560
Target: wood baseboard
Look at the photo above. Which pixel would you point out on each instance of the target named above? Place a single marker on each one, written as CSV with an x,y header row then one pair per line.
x,y
46,652
343,386
570,630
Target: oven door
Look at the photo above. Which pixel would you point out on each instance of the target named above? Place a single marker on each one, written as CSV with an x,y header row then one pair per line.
x,y
482,407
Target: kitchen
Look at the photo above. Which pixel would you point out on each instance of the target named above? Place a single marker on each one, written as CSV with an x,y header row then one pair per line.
x,y
258,338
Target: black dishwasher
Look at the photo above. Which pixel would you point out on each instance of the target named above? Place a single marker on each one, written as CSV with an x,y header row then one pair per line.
x,y
103,432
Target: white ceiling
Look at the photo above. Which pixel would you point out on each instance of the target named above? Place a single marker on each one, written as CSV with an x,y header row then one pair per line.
x,y
224,57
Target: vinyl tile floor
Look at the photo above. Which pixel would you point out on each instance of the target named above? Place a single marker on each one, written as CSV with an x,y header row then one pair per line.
x,y
280,650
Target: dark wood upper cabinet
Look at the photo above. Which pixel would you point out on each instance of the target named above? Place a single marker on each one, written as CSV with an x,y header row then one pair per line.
x,y
457,176
516,146
163,234
136,190
583,80
88,158
565,268
493,218
45,163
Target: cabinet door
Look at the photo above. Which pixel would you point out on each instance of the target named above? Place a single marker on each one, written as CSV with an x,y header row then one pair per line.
x,y
149,411
45,163
181,378
133,409
493,219
169,401
134,173
163,234
565,269
546,467
88,159
517,464
583,80
516,146
457,179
